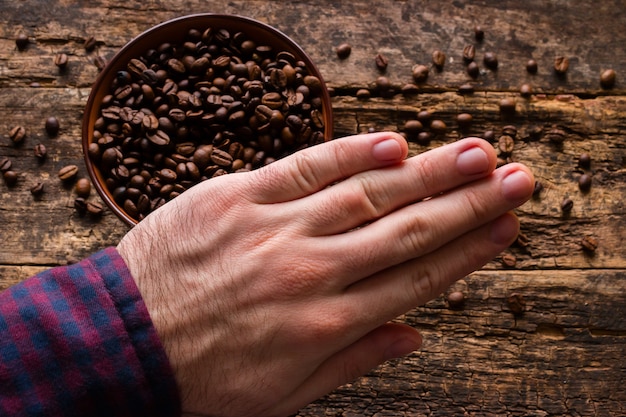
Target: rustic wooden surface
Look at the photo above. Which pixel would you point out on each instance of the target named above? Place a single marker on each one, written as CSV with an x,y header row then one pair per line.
x,y
565,354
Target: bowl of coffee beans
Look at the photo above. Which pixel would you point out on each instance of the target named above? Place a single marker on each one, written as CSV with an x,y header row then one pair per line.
x,y
194,98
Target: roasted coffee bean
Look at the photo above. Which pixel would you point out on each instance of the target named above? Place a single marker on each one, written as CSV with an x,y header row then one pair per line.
x,y
80,205
469,52
21,41
424,138
159,138
466,89
567,205
509,260
17,134
516,303
438,127
561,65
584,182
363,94
589,244
383,85
90,44
83,187
94,208
420,73
526,90
424,116
510,130
489,135
556,135
52,126
10,177
37,189
413,127
537,189
472,69
607,78
40,151
506,144
584,160
343,51
479,33
5,164
531,66
68,172
409,89
60,60
439,59
507,106
456,299
381,62
464,120
490,60
221,158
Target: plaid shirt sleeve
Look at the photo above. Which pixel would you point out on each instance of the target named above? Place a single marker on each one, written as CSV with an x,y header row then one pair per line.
x,y
78,341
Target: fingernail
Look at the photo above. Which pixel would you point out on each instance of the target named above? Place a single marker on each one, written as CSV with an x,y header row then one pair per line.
x,y
517,186
504,230
401,348
387,151
472,162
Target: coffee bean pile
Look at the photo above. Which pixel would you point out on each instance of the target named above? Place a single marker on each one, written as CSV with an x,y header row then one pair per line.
x,y
213,104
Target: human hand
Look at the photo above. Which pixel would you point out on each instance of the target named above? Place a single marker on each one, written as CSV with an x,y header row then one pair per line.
x,y
271,288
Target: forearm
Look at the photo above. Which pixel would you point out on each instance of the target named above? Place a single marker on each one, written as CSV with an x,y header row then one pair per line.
x,y
78,340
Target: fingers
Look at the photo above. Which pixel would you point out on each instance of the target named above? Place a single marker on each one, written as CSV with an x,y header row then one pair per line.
x,y
423,227
388,341
314,168
394,291
367,196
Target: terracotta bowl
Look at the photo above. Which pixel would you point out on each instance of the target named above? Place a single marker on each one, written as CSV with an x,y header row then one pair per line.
x,y
176,32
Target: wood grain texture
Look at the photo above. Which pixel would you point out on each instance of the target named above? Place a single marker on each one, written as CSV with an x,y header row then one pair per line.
x,y
564,355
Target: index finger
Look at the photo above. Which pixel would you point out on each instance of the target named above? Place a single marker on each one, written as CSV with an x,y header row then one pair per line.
x,y
314,168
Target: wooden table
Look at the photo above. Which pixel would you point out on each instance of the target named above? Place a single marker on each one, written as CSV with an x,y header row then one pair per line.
x,y
565,353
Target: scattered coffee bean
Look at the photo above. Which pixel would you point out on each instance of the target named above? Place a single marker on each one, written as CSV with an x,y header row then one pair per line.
x,y
510,130
5,164
420,73
584,160
363,94
464,120
479,33
52,126
381,62
94,208
567,205
538,188
509,260
469,52
438,127
526,90
60,60
410,89
556,135
424,116
383,85
68,173
522,240
584,182
21,41
489,135
456,299
490,60
607,78
424,138
343,51
506,144
37,189
17,134
439,59
413,127
80,205
531,66
10,178
466,89
89,44
507,106
561,65
40,151
83,187
516,303
472,69
589,244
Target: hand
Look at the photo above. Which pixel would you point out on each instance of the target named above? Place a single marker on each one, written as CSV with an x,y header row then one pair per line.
x,y
271,288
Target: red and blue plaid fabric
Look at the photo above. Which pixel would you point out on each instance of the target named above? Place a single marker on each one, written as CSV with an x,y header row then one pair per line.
x,y
78,341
